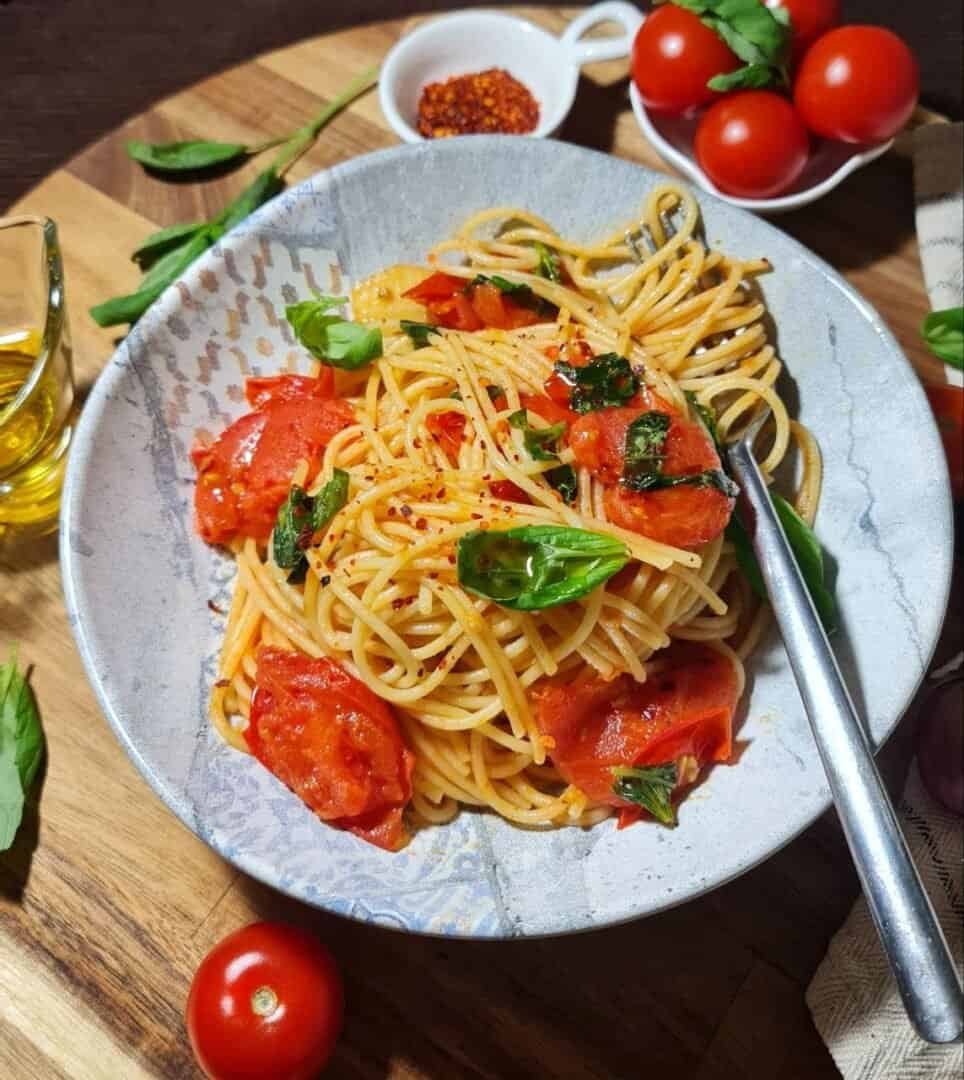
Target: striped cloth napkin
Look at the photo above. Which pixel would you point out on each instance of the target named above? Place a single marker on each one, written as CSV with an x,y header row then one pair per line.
x,y
853,996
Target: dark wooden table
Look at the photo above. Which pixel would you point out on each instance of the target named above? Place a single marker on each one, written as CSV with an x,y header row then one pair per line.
x,y
70,70
107,902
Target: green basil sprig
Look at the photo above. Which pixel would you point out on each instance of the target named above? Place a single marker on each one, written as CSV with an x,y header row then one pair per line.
x,y
943,331
21,747
330,338
418,332
563,479
649,786
759,35
302,515
806,549
537,440
705,416
643,460
606,380
537,566
548,266
168,253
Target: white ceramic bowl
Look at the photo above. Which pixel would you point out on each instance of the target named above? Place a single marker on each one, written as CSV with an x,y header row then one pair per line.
x,y
476,40
830,162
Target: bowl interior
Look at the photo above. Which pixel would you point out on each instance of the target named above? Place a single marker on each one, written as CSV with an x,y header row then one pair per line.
x,y
460,44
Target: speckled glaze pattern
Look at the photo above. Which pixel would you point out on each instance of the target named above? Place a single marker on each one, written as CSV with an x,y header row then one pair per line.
x,y
138,580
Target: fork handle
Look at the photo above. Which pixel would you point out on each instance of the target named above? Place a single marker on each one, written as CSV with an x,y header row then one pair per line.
x,y
902,913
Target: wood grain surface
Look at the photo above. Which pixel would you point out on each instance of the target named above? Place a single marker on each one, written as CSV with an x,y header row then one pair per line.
x,y
107,902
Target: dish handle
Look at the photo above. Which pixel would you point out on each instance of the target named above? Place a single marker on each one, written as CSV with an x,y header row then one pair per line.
x,y
629,18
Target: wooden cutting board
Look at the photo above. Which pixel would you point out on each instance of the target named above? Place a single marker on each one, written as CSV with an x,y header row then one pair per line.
x,y
107,902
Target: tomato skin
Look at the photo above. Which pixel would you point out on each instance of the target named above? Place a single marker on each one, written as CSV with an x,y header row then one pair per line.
x,y
231,1041
505,489
448,429
268,389
684,516
455,313
437,286
674,56
333,742
948,405
245,474
858,84
808,20
551,411
752,144
686,709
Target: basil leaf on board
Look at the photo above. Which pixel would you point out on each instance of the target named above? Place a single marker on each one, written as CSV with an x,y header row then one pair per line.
x,y
645,439
649,786
330,338
606,380
943,331
159,243
806,550
537,440
537,566
21,747
418,332
548,262
706,417
186,156
563,479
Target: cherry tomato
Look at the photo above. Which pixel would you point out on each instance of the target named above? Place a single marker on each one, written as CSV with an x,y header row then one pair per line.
x,y
448,429
858,84
948,405
265,1002
595,724
674,56
333,742
752,144
808,20
683,516
245,475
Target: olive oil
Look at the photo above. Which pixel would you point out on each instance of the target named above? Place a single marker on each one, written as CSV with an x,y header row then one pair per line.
x,y
36,404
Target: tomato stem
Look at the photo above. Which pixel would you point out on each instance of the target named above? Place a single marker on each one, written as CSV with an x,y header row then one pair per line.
x,y
264,1001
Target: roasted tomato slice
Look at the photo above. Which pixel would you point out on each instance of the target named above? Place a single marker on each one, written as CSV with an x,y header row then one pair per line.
x,y
269,389
550,411
334,743
244,476
505,489
437,286
685,711
448,430
455,313
683,516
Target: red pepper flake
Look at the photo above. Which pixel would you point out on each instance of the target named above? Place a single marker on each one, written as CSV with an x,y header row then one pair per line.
x,y
222,683
421,523
391,511
326,580
477,517
406,510
484,102
402,601
214,607
451,559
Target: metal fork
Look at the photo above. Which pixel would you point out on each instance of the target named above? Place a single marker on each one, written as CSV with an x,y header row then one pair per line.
x,y
908,929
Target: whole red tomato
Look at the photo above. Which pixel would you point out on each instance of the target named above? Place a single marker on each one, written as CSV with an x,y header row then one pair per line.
x,y
265,1002
808,20
858,84
752,144
674,56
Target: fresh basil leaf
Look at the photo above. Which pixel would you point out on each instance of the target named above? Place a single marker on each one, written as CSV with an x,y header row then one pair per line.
x,y
658,481
185,156
330,338
705,416
159,243
329,500
748,77
943,331
537,440
649,786
645,439
21,747
563,479
537,566
418,332
806,549
606,380
548,262
293,521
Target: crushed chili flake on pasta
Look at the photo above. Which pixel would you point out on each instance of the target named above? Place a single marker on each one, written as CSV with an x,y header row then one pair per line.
x,y
484,102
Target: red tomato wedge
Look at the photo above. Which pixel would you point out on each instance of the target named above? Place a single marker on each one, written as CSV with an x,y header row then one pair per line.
x,y
334,743
245,475
682,516
505,489
685,710
269,389
458,304
448,430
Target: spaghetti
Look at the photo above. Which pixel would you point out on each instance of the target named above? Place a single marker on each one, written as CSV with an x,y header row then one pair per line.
x,y
381,593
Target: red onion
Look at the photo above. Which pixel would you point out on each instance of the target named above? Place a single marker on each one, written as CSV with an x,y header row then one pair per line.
x,y
940,745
